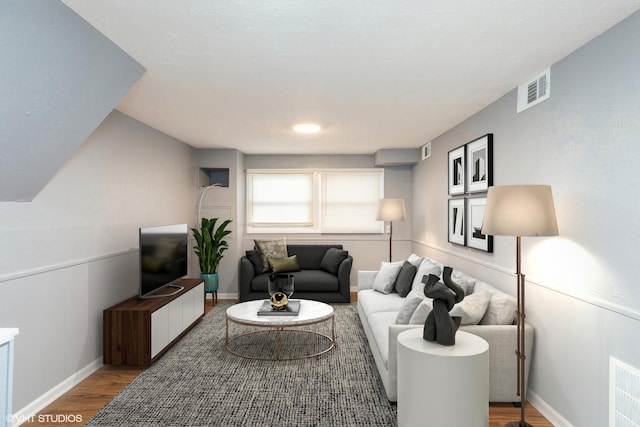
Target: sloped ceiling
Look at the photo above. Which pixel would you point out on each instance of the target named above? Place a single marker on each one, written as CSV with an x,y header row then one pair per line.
x,y
59,79
375,73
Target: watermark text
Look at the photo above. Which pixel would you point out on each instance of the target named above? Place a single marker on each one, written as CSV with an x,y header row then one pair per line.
x,y
45,418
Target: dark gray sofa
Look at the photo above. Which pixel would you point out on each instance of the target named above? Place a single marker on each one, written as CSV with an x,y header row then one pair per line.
x,y
312,281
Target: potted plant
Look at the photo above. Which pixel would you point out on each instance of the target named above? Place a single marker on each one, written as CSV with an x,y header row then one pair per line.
x,y
209,249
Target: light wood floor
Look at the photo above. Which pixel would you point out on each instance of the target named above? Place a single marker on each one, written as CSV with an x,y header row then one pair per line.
x,y
88,397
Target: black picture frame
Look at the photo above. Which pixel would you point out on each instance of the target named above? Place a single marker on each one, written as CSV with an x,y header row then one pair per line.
x,y
456,170
479,167
456,222
475,214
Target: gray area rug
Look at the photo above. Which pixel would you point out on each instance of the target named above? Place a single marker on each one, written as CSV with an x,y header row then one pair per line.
x,y
199,383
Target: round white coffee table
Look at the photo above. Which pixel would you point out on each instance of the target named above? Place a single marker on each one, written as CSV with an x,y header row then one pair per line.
x,y
310,313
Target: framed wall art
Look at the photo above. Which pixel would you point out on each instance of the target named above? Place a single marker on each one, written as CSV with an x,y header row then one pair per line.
x,y
479,157
456,171
475,214
456,221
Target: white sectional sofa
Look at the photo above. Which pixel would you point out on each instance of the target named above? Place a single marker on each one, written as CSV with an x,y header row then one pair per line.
x,y
378,313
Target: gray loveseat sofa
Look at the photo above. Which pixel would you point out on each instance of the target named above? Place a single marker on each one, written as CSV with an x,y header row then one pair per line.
x,y
379,314
323,275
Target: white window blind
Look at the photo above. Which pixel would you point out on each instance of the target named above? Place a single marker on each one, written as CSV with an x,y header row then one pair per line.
x,y
280,199
314,201
350,201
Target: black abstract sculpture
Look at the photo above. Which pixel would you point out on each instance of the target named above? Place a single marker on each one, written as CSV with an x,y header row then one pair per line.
x,y
440,326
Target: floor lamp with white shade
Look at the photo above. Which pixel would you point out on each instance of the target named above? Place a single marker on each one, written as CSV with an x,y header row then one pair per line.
x,y
391,210
520,210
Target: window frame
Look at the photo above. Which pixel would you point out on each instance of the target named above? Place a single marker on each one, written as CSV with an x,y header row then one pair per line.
x,y
318,203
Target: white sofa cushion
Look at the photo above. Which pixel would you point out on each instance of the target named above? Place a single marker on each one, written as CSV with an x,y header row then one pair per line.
x,y
374,302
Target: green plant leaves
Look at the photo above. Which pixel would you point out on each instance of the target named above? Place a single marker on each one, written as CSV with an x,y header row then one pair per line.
x,y
210,244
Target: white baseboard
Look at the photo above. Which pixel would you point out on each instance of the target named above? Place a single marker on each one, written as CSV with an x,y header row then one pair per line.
x,y
32,409
547,411
232,297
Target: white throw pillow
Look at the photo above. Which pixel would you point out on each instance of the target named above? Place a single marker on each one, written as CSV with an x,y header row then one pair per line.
x,y
502,307
467,282
467,287
472,308
415,260
419,316
427,266
409,305
386,277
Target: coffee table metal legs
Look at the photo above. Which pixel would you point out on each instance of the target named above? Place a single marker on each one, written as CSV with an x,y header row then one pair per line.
x,y
278,330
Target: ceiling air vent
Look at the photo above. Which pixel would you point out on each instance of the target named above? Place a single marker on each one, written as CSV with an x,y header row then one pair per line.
x,y
534,91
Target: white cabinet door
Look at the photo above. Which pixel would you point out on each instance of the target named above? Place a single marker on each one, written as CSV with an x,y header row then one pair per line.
x,y
198,301
175,318
193,305
159,330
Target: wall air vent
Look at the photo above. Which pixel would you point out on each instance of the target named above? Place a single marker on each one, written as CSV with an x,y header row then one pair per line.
x,y
534,91
425,151
624,394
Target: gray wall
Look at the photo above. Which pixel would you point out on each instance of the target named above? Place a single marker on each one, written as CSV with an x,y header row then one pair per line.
x,y
59,79
582,296
225,203
72,251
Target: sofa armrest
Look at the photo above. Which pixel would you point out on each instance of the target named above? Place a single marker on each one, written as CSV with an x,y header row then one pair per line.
x,y
394,331
502,341
365,279
247,273
344,278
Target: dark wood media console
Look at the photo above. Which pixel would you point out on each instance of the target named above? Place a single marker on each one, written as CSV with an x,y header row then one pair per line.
x,y
136,331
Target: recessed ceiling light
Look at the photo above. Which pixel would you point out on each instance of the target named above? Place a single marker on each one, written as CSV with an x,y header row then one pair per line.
x,y
307,128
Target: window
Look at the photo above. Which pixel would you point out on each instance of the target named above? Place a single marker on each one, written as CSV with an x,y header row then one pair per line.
x,y
350,201
314,201
281,201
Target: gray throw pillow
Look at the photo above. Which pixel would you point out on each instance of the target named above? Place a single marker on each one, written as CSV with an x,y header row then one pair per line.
x,y
256,260
285,265
405,279
332,259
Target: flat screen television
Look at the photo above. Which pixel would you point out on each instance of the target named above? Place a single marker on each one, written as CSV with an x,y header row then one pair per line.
x,y
163,259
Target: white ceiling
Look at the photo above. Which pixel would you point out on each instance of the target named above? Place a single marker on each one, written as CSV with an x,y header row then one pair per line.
x,y
375,73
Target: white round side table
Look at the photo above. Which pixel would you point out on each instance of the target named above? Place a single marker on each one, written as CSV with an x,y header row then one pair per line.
x,y
443,385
